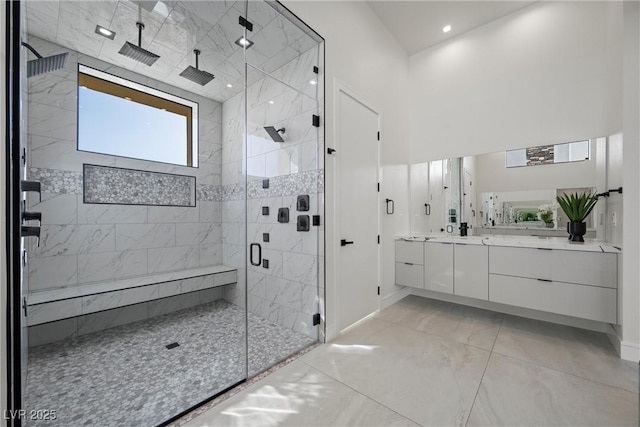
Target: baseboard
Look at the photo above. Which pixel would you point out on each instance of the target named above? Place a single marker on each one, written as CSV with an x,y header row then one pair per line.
x,y
626,350
394,297
630,351
331,332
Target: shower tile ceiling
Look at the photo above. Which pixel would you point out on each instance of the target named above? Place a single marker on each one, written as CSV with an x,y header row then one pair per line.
x,y
173,29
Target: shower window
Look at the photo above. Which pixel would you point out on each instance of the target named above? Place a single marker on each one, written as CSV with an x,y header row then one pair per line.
x,y
119,117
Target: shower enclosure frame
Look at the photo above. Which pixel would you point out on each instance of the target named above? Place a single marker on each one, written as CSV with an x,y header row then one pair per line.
x,y
16,302
14,338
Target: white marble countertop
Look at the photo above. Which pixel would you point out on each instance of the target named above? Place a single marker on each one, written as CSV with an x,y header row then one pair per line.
x,y
590,245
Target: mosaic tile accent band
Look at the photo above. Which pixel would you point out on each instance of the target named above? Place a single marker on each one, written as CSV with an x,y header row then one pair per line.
x,y
67,182
57,181
309,182
209,193
105,184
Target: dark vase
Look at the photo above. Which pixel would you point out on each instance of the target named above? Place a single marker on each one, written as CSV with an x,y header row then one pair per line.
x,y
576,230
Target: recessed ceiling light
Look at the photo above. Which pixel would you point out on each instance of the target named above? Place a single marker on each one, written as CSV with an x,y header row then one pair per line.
x,y
105,32
242,42
229,85
446,29
313,82
271,102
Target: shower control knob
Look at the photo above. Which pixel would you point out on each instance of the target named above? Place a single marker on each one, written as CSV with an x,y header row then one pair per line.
x,y
31,216
26,231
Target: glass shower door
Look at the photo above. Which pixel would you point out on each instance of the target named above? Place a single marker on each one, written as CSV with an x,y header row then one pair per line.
x,y
284,212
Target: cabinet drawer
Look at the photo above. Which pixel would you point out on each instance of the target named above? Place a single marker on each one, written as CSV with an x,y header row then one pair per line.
x,y
586,268
409,275
411,252
587,302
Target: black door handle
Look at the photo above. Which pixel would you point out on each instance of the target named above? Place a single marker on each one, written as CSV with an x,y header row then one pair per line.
x,y
344,242
259,254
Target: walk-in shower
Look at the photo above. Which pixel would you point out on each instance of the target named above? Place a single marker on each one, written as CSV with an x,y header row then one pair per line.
x,y
181,251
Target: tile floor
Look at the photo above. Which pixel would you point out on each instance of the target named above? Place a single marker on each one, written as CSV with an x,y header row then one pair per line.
x,y
125,376
426,362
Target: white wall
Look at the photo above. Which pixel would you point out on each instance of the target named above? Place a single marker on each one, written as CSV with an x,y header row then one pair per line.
x,y
630,349
362,54
537,76
3,220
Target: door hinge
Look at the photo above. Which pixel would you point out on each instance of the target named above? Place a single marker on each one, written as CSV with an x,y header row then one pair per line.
x,y
378,290
378,239
316,70
378,136
316,319
378,187
316,121
243,22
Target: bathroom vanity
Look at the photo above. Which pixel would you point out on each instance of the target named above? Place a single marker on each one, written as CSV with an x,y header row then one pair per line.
x,y
549,275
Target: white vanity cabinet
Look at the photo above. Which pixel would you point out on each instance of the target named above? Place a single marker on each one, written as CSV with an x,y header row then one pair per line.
x,y
471,277
410,264
438,266
569,282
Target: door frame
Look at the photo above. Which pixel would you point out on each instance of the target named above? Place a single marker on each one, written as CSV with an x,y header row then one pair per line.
x,y
334,228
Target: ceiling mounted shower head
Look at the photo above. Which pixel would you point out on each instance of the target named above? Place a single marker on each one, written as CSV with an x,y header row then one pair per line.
x,y
196,75
275,133
137,53
45,64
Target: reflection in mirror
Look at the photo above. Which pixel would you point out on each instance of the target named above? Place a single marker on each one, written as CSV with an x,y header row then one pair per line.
x,y
579,151
492,196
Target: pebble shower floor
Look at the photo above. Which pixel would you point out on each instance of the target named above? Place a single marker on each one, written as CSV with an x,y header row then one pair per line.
x,y
127,376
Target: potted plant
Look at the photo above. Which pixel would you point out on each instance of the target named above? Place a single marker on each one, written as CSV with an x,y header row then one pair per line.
x,y
546,214
577,207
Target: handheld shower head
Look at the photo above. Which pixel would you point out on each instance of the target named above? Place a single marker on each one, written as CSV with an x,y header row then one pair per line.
x,y
47,64
196,75
275,133
137,53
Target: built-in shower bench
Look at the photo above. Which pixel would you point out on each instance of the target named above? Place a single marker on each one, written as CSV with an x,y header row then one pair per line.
x,y
57,304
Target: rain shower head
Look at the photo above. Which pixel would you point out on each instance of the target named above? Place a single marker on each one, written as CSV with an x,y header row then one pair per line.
x,y
45,64
196,75
275,133
137,53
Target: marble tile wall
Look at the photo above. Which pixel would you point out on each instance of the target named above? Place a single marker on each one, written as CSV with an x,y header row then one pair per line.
x,y
288,291
84,324
83,243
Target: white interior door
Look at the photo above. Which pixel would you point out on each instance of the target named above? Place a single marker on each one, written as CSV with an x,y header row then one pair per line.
x,y
357,138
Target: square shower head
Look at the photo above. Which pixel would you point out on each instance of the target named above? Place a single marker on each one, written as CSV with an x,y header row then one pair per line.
x,y
46,64
275,133
197,76
139,54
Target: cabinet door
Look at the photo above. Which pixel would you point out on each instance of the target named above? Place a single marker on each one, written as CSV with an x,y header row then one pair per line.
x,y
471,271
438,266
